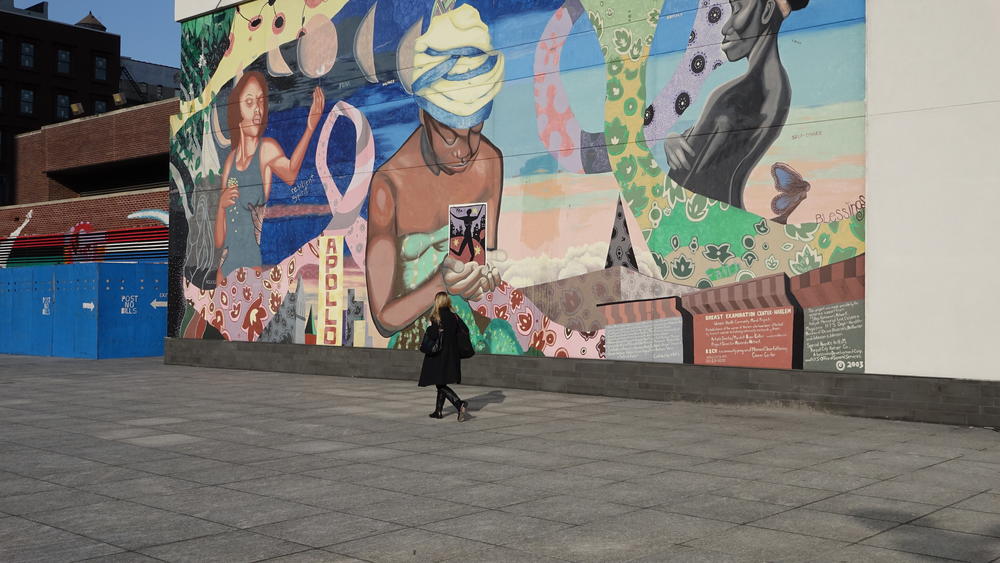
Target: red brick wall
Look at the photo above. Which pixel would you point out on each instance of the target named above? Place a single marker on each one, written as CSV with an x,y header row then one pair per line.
x,y
104,212
120,135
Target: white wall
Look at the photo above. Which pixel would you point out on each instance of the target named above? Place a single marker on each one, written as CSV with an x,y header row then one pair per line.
x,y
933,223
187,9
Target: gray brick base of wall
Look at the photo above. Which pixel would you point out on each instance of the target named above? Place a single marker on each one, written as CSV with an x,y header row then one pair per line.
x,y
924,399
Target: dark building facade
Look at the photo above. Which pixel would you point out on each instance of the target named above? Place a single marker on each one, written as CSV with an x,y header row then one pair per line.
x,y
143,82
50,72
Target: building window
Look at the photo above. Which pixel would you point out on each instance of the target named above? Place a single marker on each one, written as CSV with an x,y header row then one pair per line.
x,y
27,101
1,97
100,106
62,61
62,106
3,47
101,68
27,55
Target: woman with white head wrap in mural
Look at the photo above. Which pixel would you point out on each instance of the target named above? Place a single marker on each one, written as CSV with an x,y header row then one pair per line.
x,y
446,160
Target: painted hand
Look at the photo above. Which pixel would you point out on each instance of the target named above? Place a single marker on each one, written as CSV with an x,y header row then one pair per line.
x,y
229,195
463,279
679,152
316,109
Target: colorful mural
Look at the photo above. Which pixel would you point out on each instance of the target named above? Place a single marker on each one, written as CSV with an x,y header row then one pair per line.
x,y
664,180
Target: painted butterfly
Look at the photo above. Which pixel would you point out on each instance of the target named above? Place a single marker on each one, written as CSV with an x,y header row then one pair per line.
x,y
792,190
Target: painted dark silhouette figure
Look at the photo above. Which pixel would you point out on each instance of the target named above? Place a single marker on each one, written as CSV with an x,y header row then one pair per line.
x,y
467,238
743,117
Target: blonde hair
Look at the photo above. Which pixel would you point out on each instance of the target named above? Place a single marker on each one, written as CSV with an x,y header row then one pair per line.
x,y
441,301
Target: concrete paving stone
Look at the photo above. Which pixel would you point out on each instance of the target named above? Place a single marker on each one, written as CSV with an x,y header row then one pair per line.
x,y
11,484
153,421
225,473
914,492
614,470
485,495
35,463
413,510
119,453
664,460
232,508
355,472
819,480
121,432
774,493
53,499
759,544
874,507
796,456
26,541
314,491
495,527
556,482
985,502
130,488
685,554
568,509
504,555
314,556
622,537
416,482
161,440
855,553
958,520
176,464
366,454
422,445
409,545
128,525
634,494
957,474
938,543
227,546
577,449
230,453
726,509
737,469
297,464
326,529
825,524
532,460
123,557
478,437
685,482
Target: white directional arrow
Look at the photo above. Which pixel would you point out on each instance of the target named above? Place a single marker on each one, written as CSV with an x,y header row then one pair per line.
x,y
158,304
88,306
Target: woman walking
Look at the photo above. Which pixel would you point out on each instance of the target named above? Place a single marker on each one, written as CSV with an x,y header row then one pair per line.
x,y
444,366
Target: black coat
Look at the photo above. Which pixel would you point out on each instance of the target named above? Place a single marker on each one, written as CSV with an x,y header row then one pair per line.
x,y
445,367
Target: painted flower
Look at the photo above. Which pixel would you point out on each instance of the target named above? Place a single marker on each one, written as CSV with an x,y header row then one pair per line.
x,y
806,260
218,321
561,353
682,268
542,339
275,274
626,169
253,322
516,298
602,347
617,135
275,302
719,253
234,313
524,322
762,227
247,293
501,312
241,275
614,89
224,299
482,310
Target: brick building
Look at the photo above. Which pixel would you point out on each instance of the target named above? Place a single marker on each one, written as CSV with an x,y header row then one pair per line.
x,y
106,173
49,72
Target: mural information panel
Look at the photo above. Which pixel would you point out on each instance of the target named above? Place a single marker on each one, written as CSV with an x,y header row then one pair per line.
x,y
835,337
752,338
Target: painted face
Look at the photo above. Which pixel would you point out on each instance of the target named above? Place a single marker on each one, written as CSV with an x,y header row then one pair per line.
x,y
252,105
455,149
744,27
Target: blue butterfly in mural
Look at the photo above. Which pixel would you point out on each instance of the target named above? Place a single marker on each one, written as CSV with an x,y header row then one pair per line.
x,y
792,190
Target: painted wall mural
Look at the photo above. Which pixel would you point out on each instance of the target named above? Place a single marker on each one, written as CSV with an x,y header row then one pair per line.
x,y
660,180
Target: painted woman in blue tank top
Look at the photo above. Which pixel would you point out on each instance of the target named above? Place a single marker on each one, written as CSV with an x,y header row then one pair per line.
x,y
247,172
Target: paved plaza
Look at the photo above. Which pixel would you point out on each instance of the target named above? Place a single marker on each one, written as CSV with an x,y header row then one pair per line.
x,y
131,460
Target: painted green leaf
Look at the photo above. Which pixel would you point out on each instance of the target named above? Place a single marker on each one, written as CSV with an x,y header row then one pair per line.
x,y
615,90
858,225
804,232
762,227
840,254
697,208
649,164
622,40
617,135
635,196
682,268
719,253
625,170
806,260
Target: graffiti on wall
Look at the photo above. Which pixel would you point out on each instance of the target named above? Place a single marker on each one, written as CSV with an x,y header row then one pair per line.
x,y
668,180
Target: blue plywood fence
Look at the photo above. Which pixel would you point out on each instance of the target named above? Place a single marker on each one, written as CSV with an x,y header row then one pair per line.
x,y
95,310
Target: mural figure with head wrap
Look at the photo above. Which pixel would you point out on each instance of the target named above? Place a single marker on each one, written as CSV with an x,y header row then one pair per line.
x,y
446,160
743,117
247,172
